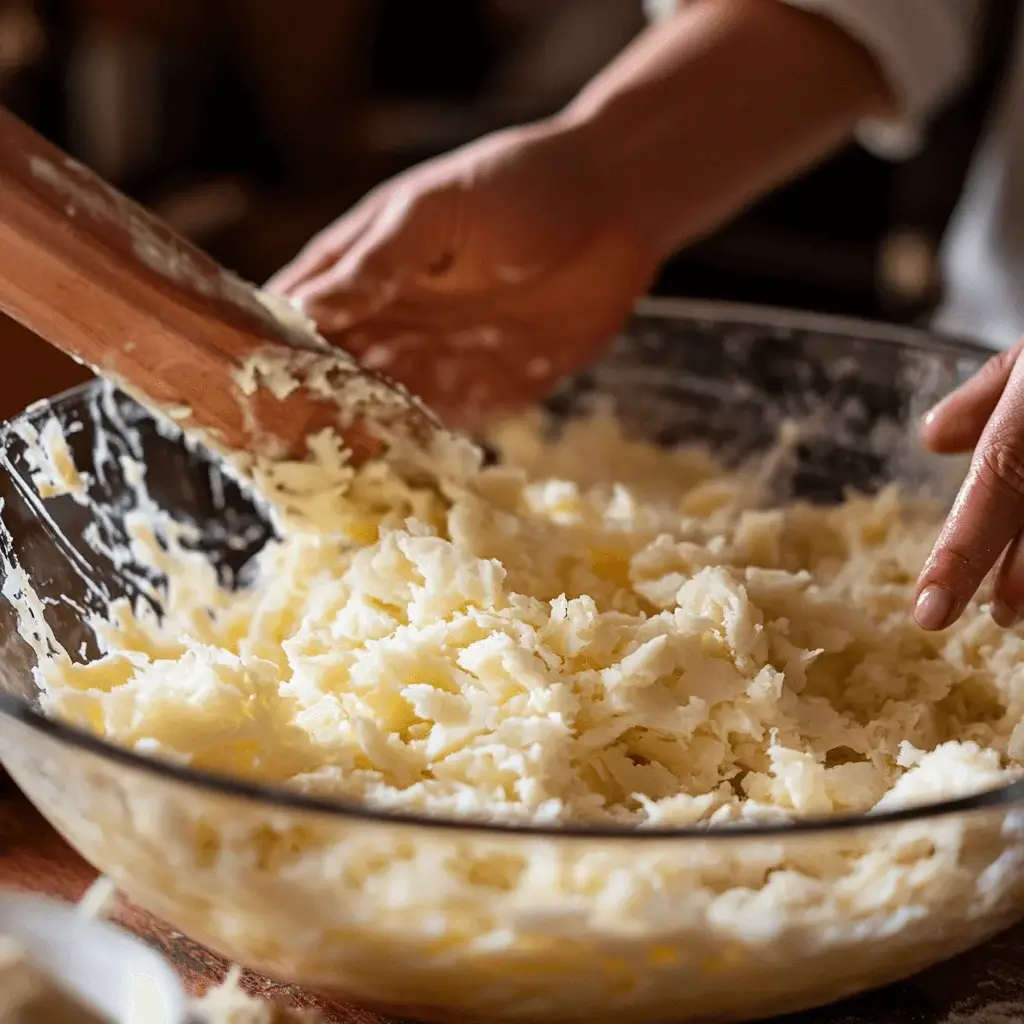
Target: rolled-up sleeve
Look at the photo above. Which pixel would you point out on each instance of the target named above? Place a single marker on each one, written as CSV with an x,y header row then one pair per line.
x,y
924,48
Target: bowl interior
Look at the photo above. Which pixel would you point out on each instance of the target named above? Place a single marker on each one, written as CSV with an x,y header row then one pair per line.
x,y
350,902
725,377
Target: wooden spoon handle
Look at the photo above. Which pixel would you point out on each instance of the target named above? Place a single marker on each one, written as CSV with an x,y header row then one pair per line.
x,y
115,288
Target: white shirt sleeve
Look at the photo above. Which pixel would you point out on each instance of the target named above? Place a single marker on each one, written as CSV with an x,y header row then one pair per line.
x,y
925,49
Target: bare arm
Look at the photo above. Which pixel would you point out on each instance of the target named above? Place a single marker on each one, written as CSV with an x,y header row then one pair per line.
x,y
544,235
716,105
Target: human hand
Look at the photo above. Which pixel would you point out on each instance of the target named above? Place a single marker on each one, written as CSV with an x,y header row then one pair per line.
x,y
986,524
480,279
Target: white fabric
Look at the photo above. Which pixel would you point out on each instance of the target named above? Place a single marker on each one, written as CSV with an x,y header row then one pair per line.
x,y
926,49
983,252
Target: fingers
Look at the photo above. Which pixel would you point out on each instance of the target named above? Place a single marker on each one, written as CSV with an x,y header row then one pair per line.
x,y
312,259
987,515
465,373
326,248
956,423
370,275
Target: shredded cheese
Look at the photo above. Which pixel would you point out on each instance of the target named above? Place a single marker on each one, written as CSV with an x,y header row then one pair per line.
x,y
595,633
544,651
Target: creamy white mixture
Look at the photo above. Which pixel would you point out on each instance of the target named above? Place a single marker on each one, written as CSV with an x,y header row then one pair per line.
x,y
656,650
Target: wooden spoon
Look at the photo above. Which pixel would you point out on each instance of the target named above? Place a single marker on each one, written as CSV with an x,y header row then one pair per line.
x,y
114,287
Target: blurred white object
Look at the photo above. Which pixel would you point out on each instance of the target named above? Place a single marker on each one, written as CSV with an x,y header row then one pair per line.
x,y
113,974
908,266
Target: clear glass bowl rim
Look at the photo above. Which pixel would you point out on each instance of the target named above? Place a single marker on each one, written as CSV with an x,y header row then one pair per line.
x,y
281,798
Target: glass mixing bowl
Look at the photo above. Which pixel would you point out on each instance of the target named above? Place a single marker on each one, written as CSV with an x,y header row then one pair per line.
x,y
442,920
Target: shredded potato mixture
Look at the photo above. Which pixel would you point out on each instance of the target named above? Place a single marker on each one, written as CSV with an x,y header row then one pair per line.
x,y
597,632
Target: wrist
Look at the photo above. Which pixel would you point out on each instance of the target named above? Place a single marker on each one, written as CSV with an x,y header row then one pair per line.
x,y
603,192
604,146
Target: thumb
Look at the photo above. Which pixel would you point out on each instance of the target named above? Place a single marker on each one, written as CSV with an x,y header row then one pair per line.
x,y
324,249
957,422
374,271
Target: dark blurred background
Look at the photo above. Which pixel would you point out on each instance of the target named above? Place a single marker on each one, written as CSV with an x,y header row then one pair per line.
x,y
251,123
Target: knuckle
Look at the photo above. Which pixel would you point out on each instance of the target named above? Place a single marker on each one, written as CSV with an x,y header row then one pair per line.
x,y
398,207
404,214
1001,464
957,565
997,365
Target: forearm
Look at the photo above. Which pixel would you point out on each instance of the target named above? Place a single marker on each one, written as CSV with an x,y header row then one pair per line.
x,y
712,108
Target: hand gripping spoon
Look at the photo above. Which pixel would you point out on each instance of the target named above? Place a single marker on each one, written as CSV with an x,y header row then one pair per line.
x,y
114,287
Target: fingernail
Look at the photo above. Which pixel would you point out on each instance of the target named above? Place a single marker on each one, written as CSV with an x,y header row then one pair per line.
x,y
935,608
1003,614
930,416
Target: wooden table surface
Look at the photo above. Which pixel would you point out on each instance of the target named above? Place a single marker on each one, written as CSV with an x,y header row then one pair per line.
x,y
985,986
